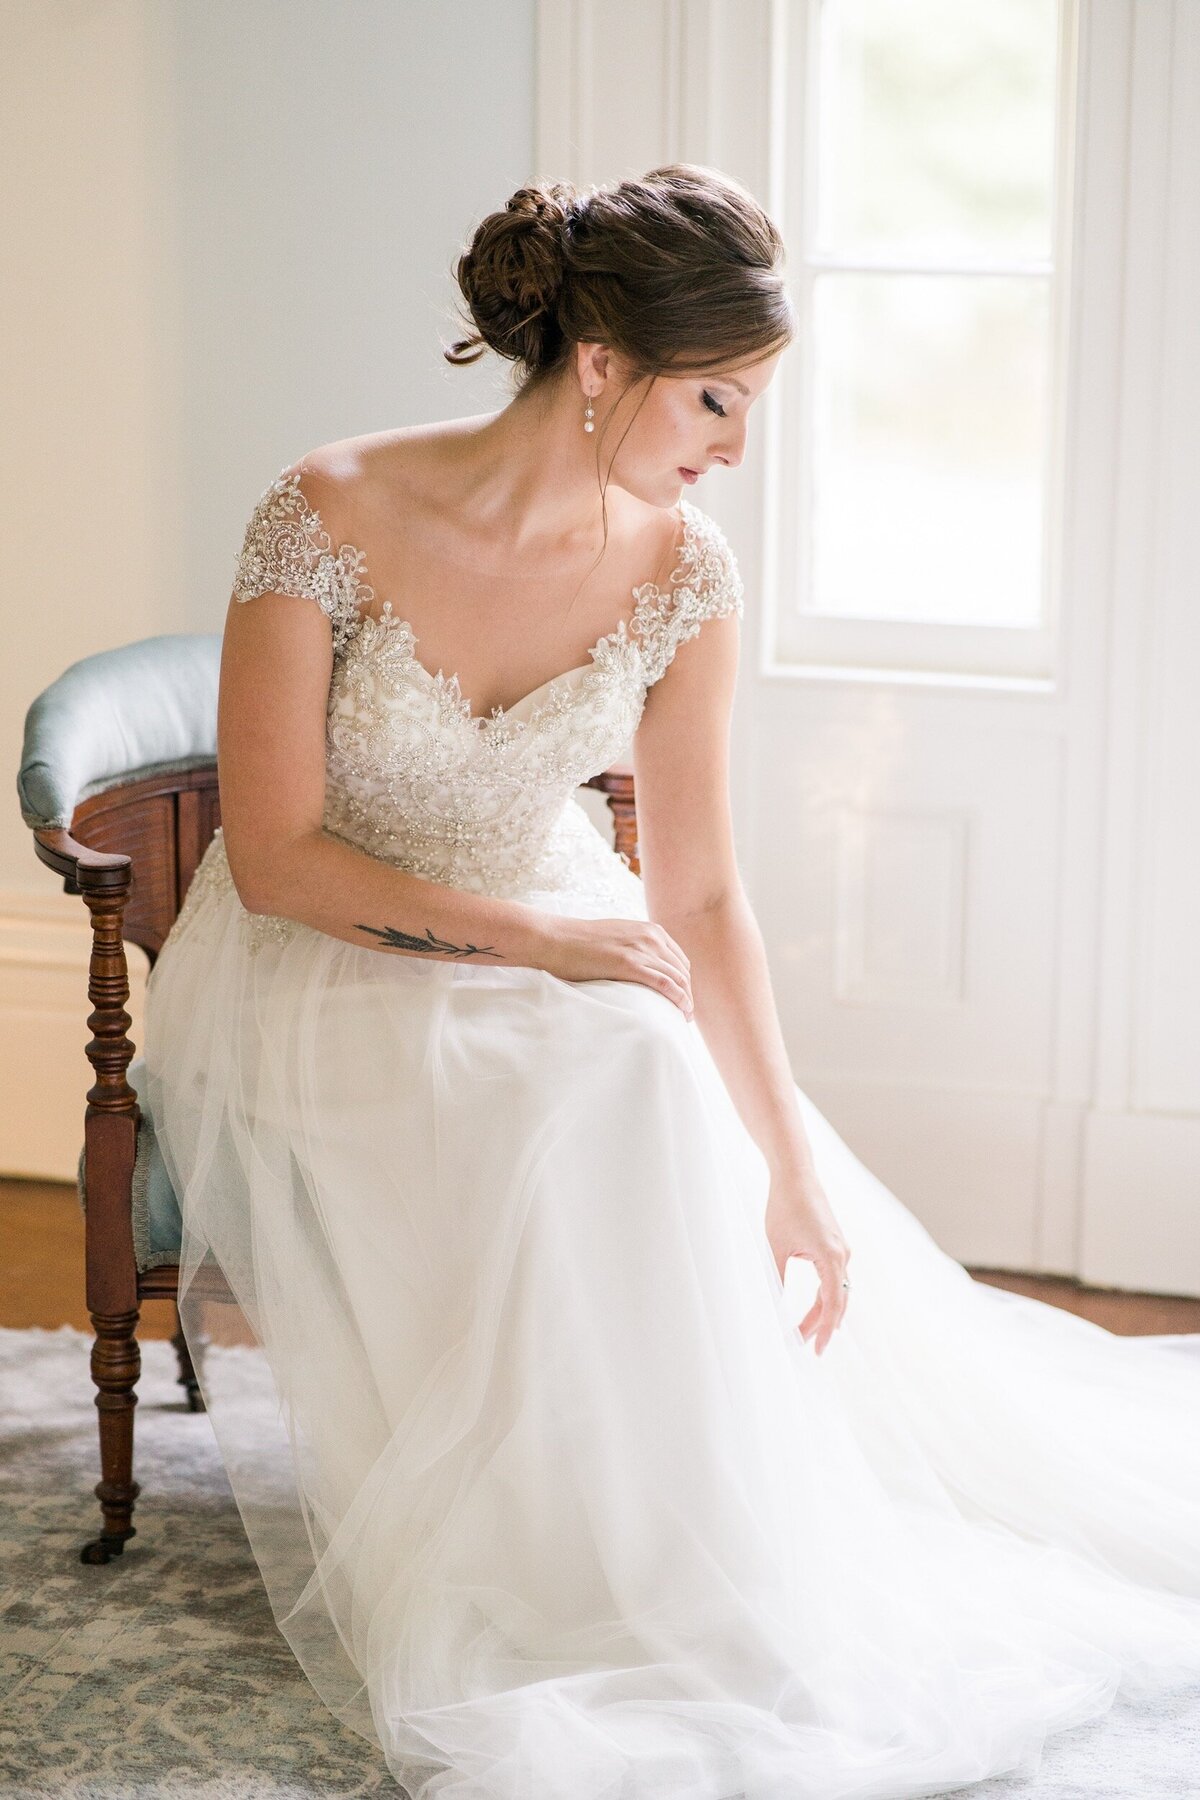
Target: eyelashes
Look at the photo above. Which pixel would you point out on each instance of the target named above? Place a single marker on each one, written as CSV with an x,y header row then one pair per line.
x,y
712,404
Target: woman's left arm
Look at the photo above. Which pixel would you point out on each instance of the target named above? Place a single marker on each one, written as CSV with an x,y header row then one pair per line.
x,y
694,890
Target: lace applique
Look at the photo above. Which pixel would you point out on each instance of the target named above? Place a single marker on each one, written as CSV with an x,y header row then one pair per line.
x,y
415,778
472,804
211,877
287,550
213,881
705,584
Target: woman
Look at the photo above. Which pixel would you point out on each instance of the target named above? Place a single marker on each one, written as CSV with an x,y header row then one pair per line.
x,y
492,1164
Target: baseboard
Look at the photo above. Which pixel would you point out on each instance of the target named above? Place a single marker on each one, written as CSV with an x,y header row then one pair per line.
x,y
1141,1226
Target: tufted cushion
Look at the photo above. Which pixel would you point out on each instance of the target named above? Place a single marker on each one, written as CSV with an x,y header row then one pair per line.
x,y
142,709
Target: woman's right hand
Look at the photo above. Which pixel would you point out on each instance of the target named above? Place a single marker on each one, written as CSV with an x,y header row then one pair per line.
x,y
618,950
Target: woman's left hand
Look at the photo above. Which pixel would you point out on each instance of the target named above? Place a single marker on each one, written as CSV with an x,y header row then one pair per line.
x,y
799,1222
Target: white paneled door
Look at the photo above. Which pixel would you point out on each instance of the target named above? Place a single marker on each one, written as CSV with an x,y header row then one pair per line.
x,y
966,737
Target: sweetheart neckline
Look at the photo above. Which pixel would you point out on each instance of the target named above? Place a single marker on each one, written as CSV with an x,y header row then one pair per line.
x,y
642,593
504,714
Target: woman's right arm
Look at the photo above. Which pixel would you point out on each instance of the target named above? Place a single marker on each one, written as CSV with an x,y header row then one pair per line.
x,y
276,666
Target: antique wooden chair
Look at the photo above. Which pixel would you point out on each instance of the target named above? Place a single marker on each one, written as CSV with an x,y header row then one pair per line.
x,y
118,783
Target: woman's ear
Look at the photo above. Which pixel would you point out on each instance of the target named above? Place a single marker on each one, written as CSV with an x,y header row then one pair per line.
x,y
594,364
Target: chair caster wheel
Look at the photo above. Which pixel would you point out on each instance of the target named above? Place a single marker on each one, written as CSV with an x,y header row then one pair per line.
x,y
105,1547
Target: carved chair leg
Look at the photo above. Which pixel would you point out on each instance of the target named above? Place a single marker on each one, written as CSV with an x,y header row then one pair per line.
x,y
116,1365
187,1373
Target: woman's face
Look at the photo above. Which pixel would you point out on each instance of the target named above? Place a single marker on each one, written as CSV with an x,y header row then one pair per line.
x,y
671,429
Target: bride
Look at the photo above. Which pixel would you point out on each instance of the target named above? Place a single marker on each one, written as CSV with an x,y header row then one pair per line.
x,y
494,1176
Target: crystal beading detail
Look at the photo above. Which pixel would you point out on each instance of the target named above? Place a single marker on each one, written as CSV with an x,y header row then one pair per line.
x,y
415,778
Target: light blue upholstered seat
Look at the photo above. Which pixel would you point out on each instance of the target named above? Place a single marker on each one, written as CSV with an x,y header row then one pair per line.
x,y
142,709
121,715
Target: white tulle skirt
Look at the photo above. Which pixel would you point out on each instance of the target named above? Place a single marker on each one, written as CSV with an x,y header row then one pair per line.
x,y
549,1495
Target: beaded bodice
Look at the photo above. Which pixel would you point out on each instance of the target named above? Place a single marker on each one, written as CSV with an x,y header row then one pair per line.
x,y
413,776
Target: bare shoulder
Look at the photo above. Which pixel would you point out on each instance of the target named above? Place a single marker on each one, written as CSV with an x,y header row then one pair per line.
x,y
356,478
413,487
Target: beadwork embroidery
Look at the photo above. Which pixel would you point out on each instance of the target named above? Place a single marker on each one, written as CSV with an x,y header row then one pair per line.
x,y
213,880
413,777
287,550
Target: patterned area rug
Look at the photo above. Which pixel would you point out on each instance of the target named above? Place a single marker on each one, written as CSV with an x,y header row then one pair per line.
x,y
162,1674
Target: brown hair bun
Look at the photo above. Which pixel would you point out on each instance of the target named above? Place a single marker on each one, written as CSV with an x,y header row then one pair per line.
x,y
677,270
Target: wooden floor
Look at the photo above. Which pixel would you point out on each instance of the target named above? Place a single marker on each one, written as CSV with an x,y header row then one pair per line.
x,y
41,1261
41,1275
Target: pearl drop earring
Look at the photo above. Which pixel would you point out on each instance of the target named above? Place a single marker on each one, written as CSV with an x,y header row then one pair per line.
x,y
589,414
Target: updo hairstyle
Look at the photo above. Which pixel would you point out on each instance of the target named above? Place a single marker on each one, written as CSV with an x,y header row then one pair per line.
x,y
679,272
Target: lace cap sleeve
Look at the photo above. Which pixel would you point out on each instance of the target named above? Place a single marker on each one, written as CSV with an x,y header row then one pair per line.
x,y
286,550
705,584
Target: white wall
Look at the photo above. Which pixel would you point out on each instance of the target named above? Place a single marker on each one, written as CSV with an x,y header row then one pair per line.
x,y
228,232
229,229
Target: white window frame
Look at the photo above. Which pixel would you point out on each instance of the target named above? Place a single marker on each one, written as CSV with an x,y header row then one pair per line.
x,y
1008,658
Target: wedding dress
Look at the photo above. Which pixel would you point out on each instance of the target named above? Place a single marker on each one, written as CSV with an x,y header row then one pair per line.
x,y
549,1495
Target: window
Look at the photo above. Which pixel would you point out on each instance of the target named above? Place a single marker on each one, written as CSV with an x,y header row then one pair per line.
x,y
926,223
